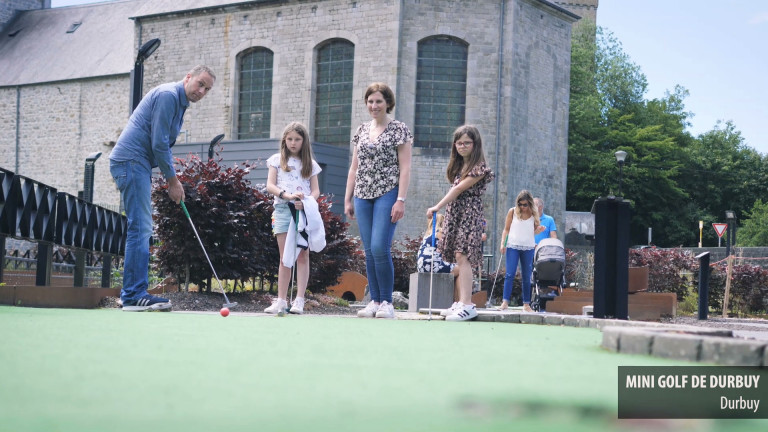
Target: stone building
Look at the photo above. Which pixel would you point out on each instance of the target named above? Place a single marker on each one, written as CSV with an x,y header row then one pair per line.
x,y
501,65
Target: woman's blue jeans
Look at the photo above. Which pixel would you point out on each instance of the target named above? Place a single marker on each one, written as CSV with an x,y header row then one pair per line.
x,y
135,184
374,219
525,257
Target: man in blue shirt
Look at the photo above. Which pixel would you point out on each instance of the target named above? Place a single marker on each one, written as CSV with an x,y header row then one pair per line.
x,y
146,143
546,221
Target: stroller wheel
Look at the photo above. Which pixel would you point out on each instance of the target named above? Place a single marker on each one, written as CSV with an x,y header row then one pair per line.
x,y
536,300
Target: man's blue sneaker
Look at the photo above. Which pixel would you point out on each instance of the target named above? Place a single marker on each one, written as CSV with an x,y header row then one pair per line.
x,y
148,303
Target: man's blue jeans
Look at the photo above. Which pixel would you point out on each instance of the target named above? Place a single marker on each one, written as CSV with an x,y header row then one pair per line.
x,y
525,257
374,219
135,184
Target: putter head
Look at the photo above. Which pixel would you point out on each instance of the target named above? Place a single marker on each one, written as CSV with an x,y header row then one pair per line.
x,y
230,305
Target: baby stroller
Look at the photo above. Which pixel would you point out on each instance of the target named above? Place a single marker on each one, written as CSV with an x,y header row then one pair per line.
x,y
548,270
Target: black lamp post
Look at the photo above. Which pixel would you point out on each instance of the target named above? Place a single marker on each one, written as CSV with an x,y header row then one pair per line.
x,y
621,156
137,74
214,141
90,169
730,235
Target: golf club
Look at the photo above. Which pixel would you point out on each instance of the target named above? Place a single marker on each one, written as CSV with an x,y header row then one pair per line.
x,y
295,245
498,267
432,264
227,303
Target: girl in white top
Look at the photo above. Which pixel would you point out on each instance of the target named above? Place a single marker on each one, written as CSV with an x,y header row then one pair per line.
x,y
520,228
292,175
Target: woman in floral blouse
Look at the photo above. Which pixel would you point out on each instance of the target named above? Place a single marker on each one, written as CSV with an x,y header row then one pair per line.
x,y
377,186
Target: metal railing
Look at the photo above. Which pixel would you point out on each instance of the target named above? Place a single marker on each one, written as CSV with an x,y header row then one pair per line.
x,y
34,211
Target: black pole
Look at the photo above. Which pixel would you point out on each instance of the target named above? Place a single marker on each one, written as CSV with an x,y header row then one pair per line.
x,y
703,284
217,139
621,174
137,79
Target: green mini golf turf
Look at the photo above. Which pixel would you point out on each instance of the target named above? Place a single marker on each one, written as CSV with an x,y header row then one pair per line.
x,y
108,370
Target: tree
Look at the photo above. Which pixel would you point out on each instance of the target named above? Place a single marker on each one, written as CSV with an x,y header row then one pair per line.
x,y
754,229
724,173
609,113
673,179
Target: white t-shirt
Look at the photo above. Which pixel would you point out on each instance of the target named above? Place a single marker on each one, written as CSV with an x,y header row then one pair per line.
x,y
521,233
291,182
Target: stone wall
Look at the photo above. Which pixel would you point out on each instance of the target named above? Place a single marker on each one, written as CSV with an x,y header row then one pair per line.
x,y
8,8
586,9
536,135
521,108
62,123
479,28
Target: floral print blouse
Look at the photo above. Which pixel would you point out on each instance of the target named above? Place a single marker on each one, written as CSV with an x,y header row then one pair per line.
x,y
378,170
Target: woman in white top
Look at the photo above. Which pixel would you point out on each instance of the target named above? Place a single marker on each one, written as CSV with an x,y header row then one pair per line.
x,y
520,229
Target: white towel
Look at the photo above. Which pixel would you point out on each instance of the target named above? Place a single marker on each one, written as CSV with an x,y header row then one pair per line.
x,y
310,233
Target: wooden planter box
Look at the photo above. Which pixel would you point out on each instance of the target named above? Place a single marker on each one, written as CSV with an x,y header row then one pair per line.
x,y
638,279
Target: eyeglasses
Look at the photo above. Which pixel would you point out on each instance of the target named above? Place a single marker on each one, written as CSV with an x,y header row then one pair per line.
x,y
464,143
522,204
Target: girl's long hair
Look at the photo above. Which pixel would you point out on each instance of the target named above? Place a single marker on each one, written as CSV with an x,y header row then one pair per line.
x,y
456,165
305,154
439,227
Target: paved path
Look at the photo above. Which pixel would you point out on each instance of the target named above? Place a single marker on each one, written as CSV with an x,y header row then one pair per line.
x,y
717,344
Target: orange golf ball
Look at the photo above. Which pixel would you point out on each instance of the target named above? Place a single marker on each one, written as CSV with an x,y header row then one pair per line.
x,y
224,312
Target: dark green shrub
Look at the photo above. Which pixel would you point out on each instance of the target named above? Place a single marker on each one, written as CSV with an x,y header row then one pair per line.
x,y
748,292
233,220
666,268
404,256
235,223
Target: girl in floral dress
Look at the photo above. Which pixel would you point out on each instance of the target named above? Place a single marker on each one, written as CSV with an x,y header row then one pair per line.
x,y
463,226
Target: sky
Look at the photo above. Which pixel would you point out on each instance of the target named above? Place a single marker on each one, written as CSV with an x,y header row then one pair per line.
x,y
717,49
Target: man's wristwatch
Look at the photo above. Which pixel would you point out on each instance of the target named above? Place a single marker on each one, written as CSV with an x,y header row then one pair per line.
x,y
401,199
281,194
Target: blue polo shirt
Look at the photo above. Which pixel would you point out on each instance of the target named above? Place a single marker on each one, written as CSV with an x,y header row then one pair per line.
x,y
547,222
153,128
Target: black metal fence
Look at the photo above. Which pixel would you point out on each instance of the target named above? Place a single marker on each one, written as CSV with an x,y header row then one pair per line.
x,y
34,211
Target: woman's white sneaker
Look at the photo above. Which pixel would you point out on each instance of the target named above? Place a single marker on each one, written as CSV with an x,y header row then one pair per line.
x,y
386,310
463,313
369,311
278,305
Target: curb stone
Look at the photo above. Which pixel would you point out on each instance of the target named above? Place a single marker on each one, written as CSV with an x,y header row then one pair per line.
x,y
680,342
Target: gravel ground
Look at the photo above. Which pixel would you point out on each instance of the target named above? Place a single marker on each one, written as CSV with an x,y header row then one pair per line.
x,y
318,304
746,324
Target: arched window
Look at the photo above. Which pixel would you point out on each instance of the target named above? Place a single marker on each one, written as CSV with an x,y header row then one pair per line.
x,y
441,90
254,109
333,98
